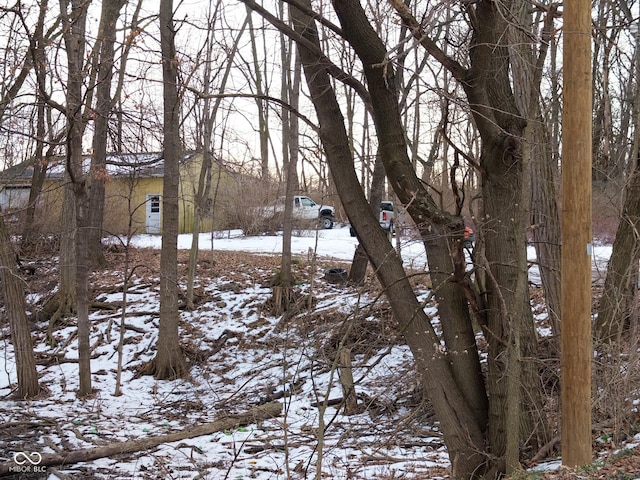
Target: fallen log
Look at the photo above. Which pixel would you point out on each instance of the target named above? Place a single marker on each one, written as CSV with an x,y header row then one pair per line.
x,y
261,412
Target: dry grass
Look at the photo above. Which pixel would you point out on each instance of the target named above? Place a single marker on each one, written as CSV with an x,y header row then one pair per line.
x,y
616,374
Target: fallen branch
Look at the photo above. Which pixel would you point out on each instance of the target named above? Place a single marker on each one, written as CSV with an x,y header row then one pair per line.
x,y
258,413
544,451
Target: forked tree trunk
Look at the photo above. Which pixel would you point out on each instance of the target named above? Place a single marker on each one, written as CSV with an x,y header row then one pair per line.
x,y
503,222
463,435
283,291
104,103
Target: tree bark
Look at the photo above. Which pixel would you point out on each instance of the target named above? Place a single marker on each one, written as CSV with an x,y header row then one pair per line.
x,y
616,303
360,261
463,435
169,362
77,191
15,310
104,103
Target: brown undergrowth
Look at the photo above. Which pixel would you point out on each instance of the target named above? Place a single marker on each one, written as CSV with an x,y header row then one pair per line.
x,y
240,268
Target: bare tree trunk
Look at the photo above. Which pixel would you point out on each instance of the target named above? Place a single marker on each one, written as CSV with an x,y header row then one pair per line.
x,y
82,287
74,41
263,110
40,162
545,221
15,310
12,292
63,302
463,435
169,362
345,372
616,303
360,262
104,104
283,290
527,67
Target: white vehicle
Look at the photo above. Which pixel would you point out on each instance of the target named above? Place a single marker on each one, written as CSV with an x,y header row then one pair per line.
x,y
386,216
387,221
303,209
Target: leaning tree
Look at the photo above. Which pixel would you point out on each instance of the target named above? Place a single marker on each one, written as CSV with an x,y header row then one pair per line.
x,y
483,429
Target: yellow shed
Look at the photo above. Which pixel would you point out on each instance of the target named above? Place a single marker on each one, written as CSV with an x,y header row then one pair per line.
x,y
133,193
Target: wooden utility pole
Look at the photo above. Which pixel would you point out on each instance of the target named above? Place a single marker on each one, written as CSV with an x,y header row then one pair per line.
x,y
576,235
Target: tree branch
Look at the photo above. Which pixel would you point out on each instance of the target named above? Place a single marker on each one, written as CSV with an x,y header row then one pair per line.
x,y
261,412
331,68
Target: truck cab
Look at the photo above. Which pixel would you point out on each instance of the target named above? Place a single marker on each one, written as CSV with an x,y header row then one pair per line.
x,y
305,208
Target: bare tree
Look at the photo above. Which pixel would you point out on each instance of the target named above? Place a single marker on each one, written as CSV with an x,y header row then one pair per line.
x,y
503,310
12,290
501,126
13,295
74,15
617,303
262,106
35,60
290,92
463,429
104,62
211,107
169,362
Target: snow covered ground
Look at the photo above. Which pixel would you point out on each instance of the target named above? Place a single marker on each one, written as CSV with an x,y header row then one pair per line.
x,y
241,357
333,244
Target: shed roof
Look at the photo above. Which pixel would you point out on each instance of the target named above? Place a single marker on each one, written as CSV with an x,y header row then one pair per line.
x,y
145,165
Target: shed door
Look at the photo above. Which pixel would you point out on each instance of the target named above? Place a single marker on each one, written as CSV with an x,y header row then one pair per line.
x,y
153,213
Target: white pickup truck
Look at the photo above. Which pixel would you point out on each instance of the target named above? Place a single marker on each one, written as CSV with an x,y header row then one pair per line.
x,y
303,209
387,220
